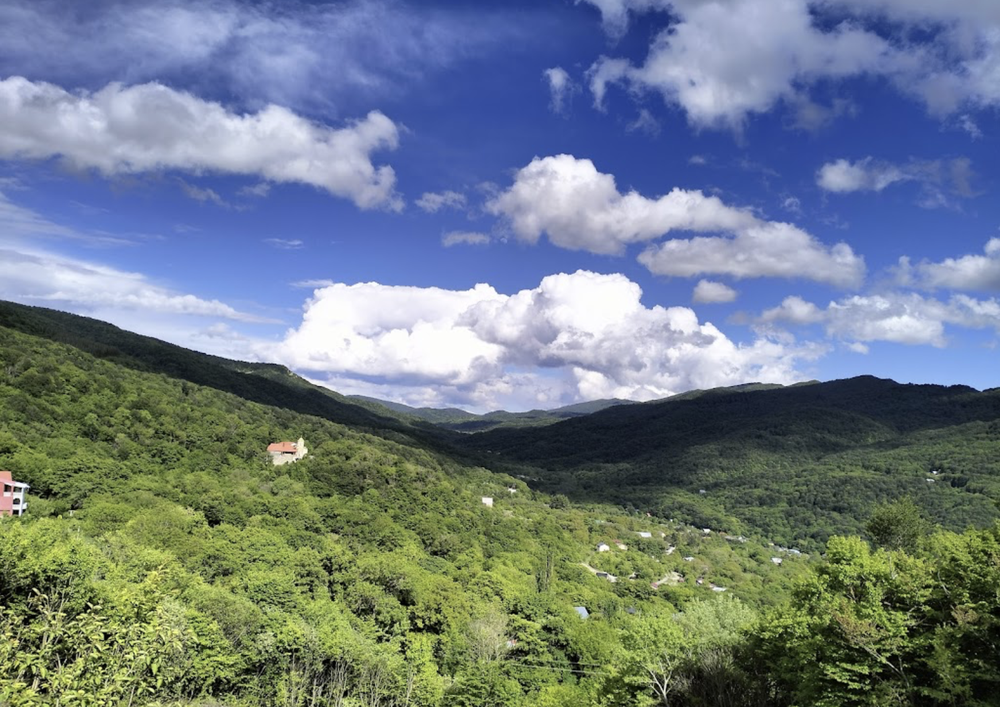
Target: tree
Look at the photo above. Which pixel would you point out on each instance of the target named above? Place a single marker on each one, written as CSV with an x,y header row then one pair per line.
x,y
851,637
897,526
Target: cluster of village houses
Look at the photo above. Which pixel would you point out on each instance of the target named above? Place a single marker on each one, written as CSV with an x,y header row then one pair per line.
x,y
671,578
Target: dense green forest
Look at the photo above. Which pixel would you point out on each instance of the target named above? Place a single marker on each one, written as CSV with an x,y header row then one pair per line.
x,y
165,560
798,464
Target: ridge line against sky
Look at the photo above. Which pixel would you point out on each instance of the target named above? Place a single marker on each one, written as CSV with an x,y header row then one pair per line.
x,y
515,205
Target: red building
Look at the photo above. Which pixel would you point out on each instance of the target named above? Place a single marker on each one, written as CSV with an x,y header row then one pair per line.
x,y
12,501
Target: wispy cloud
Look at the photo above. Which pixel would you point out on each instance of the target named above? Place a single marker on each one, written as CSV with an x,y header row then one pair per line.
x,y
259,190
310,56
285,244
561,89
464,238
203,194
311,284
432,202
39,277
18,224
939,179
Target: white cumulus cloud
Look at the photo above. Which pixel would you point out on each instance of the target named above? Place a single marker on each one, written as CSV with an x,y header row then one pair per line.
x,y
724,60
764,250
149,127
968,272
580,208
574,336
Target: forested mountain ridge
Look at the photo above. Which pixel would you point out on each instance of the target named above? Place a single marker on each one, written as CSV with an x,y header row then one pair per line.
x,y
462,421
798,463
266,383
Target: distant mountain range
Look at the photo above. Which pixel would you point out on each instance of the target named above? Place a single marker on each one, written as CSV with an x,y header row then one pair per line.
x,y
796,463
463,421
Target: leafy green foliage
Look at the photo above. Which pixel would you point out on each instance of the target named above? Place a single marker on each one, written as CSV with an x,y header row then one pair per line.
x,y
897,525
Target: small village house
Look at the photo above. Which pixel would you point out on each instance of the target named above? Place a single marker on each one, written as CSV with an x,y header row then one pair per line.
x,y
603,547
287,452
12,501
488,501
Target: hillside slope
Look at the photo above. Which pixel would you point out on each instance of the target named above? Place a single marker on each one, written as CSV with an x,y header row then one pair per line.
x,y
795,463
265,383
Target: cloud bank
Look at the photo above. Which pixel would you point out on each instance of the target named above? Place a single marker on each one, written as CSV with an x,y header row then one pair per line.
x,y
968,272
575,336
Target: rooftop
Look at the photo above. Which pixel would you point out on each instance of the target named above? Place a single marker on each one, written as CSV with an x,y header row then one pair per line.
x,y
283,447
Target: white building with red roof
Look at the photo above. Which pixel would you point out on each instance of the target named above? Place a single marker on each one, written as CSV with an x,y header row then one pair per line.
x,y
285,452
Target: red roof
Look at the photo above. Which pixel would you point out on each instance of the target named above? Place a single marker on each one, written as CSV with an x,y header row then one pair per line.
x,y
5,476
283,447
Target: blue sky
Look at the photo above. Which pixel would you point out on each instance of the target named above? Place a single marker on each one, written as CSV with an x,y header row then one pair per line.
x,y
518,204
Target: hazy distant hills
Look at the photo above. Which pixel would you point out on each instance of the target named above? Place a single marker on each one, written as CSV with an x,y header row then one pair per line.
x,y
462,421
